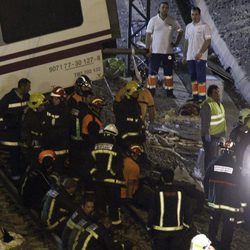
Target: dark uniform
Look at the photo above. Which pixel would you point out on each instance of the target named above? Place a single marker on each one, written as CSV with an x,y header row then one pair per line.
x,y
92,236
11,110
33,186
222,187
57,132
72,224
169,217
57,208
107,171
78,109
129,122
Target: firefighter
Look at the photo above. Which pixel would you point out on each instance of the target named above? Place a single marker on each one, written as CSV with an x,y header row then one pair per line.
x,y
85,212
223,191
106,170
78,104
36,181
32,127
145,100
12,106
56,127
169,215
94,236
200,241
213,123
131,171
58,206
128,117
92,124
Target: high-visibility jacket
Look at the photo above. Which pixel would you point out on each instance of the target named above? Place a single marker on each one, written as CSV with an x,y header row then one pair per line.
x,y
56,128
57,208
222,185
73,223
78,109
169,210
11,111
107,162
92,236
218,121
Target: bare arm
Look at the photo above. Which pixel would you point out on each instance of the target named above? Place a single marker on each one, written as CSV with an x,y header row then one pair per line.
x,y
178,39
204,47
148,42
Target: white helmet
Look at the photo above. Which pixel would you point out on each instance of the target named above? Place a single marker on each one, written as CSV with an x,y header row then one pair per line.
x,y
110,129
200,242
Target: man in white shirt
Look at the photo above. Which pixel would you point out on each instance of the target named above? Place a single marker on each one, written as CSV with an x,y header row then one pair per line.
x,y
159,42
197,41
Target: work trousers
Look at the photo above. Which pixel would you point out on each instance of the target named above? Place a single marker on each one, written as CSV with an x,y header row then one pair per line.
x,y
227,227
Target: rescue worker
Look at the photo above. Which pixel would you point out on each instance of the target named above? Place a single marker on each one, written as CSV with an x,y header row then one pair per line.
x,y
12,106
78,104
84,212
92,124
32,127
201,241
131,172
128,117
241,135
56,127
145,100
169,213
93,236
36,181
223,191
58,206
106,170
213,123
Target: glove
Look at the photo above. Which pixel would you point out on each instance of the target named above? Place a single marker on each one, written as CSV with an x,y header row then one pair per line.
x,y
208,138
151,127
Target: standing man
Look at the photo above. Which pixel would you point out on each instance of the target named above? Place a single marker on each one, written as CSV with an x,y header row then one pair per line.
x,y
213,123
197,41
12,106
159,42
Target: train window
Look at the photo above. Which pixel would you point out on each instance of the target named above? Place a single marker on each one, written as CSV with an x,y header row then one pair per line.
x,y
23,19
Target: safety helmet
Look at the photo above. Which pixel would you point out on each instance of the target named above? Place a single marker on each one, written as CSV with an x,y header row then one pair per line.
x,y
46,153
36,100
244,113
110,129
59,92
83,85
97,102
136,149
200,242
132,87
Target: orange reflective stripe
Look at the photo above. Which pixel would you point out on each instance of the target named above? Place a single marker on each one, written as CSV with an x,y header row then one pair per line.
x,y
168,82
194,88
202,89
85,123
152,81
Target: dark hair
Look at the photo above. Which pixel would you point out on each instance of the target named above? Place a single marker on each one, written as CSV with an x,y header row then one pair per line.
x,y
88,198
195,8
165,2
167,175
22,82
211,88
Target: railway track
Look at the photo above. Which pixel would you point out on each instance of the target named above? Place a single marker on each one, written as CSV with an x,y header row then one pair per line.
x,y
16,218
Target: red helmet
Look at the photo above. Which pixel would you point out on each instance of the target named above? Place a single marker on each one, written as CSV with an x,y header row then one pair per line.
x,y
59,92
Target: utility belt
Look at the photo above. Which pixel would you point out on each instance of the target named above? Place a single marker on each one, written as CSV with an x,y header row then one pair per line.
x,y
114,181
168,229
10,143
62,152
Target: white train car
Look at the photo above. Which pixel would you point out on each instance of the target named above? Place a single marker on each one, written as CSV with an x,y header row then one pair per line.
x,y
51,42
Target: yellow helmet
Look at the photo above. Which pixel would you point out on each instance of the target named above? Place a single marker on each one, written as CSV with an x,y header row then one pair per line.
x,y
244,113
36,100
131,87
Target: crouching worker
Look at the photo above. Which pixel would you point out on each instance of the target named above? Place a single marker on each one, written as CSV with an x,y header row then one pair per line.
x,y
85,212
94,236
58,206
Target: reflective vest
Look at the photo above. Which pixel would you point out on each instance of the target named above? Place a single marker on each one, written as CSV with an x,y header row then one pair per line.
x,y
218,121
